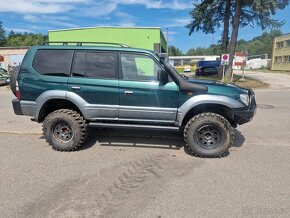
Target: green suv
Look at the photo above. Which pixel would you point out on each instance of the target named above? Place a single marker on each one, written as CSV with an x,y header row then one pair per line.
x,y
72,87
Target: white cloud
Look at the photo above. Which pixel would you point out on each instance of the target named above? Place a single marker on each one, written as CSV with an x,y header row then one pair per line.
x,y
177,22
91,8
18,30
62,21
170,33
36,7
126,24
59,13
124,15
100,9
158,4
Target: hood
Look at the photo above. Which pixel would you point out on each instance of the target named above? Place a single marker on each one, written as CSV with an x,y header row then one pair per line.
x,y
220,88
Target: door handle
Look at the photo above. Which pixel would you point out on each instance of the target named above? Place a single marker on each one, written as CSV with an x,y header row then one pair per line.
x,y
75,88
128,92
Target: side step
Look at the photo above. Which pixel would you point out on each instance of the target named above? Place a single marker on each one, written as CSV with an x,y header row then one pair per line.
x,y
133,126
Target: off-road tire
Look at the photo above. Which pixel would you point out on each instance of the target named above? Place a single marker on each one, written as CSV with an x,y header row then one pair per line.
x,y
65,130
208,135
13,79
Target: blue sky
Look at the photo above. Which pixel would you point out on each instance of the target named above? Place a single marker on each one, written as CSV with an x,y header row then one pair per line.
x,y
43,15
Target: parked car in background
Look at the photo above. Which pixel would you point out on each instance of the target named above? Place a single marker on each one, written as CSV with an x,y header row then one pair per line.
x,y
187,69
3,71
4,77
206,71
207,68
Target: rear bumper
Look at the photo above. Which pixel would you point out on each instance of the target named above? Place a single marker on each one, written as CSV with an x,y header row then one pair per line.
x,y
22,107
17,107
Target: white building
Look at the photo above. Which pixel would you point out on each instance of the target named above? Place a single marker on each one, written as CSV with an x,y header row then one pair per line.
x,y
187,60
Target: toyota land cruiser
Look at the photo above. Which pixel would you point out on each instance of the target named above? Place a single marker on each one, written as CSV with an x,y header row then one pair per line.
x,y
69,88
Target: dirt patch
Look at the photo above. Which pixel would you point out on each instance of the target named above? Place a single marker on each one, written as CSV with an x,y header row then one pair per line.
x,y
113,192
249,83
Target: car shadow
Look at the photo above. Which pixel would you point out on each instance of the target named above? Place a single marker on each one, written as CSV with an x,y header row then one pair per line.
x,y
132,138
239,139
151,139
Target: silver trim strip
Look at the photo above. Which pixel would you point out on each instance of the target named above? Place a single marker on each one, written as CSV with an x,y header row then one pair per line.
x,y
155,114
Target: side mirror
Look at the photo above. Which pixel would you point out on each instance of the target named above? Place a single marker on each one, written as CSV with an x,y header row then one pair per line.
x,y
162,76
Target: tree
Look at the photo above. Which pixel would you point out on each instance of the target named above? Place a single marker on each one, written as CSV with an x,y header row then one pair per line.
x,y
227,17
173,51
256,46
191,52
259,45
11,34
2,35
206,16
25,39
252,12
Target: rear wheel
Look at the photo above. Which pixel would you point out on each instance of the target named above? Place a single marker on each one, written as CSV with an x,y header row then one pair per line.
x,y
64,130
208,135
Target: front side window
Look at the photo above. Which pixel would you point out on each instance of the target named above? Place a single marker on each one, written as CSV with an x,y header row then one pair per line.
x,y
139,67
53,62
94,64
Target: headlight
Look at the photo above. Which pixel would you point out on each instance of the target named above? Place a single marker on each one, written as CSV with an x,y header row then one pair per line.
x,y
245,99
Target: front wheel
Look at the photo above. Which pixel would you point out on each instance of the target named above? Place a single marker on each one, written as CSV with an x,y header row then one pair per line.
x,y
64,130
208,135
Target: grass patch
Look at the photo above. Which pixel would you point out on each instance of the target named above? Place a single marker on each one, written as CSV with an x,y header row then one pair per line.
x,y
248,83
179,70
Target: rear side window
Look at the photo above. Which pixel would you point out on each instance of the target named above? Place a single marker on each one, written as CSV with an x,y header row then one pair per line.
x,y
94,64
53,62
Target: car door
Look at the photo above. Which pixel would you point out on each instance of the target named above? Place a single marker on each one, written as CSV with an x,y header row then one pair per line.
x,y
142,96
94,79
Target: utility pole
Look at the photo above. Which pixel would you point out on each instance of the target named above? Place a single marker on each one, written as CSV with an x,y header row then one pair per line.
x,y
212,42
167,41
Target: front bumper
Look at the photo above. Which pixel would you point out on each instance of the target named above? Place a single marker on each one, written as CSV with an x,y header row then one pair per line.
x,y
246,114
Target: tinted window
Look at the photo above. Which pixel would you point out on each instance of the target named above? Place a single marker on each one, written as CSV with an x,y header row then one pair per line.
x,y
53,62
94,64
79,63
139,67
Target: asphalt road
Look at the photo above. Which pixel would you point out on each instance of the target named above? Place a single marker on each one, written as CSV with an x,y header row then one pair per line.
x,y
147,174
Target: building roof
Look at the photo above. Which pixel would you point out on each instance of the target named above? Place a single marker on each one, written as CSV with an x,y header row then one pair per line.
x,y
96,27
283,36
18,47
192,57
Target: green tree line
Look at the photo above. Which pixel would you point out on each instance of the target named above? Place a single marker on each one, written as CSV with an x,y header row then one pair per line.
x,y
20,39
258,45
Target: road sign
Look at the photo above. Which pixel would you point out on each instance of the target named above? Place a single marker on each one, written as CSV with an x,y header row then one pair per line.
x,y
225,59
240,59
